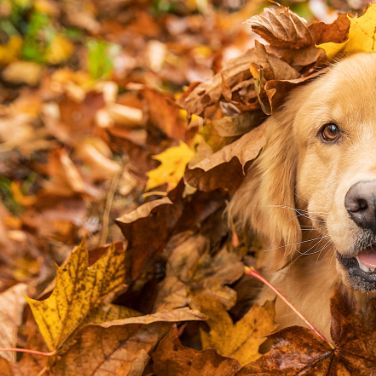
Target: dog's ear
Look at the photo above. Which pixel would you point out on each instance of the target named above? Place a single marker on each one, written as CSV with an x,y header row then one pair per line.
x,y
265,201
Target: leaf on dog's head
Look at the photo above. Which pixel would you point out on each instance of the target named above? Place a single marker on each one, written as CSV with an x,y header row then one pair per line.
x,y
361,35
79,289
172,358
336,32
281,28
226,168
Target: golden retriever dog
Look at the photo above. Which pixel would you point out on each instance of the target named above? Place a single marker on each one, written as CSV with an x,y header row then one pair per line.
x,y
311,194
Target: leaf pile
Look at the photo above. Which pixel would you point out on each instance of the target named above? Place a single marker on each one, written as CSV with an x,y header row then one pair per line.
x,y
104,104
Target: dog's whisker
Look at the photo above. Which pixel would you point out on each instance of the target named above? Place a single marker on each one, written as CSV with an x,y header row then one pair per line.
x,y
297,210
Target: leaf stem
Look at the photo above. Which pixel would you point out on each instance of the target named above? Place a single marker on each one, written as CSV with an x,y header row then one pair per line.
x,y
255,274
28,351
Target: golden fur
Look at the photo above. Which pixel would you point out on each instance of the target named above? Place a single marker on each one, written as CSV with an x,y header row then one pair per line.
x,y
293,194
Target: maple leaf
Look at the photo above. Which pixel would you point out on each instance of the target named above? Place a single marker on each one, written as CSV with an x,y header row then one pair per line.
x,y
297,350
241,340
12,303
361,36
171,170
79,289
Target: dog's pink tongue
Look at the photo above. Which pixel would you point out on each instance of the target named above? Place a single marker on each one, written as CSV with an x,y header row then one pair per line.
x,y
368,258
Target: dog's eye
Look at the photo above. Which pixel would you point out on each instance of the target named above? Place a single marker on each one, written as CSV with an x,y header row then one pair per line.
x,y
330,133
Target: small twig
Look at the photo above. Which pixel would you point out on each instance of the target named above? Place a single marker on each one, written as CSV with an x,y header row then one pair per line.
x,y
255,274
28,351
108,205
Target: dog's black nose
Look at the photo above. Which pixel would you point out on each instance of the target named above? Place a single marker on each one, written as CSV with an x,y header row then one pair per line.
x,y
360,202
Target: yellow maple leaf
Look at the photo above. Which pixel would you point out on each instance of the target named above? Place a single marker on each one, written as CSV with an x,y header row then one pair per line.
x,y
79,290
10,51
362,35
171,170
59,50
241,340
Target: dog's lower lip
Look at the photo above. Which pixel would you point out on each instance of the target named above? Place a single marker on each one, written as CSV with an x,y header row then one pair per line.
x,y
361,277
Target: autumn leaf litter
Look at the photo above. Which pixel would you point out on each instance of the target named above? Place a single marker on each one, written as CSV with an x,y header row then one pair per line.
x,y
102,130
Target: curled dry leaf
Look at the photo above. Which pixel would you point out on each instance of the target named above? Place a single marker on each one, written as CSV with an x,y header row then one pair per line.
x,y
172,358
336,32
226,168
181,314
12,303
147,230
282,28
79,289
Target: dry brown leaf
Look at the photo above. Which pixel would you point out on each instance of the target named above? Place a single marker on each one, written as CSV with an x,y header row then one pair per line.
x,y
147,229
12,303
282,28
209,93
5,367
116,351
164,114
336,32
226,168
182,314
23,72
298,350
65,178
171,358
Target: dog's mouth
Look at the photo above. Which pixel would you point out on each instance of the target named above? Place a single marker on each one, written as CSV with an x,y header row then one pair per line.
x,y
361,269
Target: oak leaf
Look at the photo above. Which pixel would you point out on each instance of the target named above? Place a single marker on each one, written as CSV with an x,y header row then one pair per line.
x,y
79,289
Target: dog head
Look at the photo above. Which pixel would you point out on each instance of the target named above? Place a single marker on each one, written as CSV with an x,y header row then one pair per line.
x,y
313,188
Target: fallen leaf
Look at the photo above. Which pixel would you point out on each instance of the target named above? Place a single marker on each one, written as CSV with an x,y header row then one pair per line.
x,y
361,36
226,168
336,32
5,367
282,28
181,314
171,170
23,72
64,177
298,350
147,230
59,50
240,340
12,303
79,288
172,358
10,51
118,351
293,351
164,114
